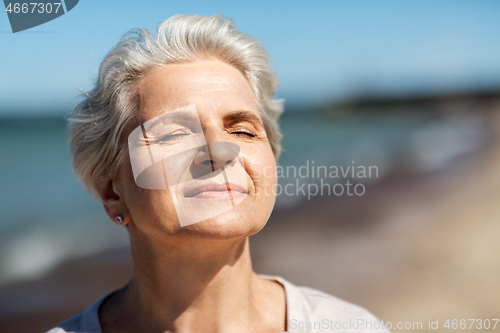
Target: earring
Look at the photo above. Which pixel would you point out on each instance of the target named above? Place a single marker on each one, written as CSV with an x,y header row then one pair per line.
x,y
119,219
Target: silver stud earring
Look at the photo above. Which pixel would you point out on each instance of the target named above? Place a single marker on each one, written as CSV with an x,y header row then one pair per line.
x,y
119,219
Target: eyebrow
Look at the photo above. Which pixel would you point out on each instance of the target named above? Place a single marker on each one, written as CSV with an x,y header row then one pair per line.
x,y
243,115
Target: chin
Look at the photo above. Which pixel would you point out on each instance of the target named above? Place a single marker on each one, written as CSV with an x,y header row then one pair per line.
x,y
233,224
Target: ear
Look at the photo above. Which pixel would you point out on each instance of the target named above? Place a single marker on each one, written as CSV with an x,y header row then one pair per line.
x,y
113,203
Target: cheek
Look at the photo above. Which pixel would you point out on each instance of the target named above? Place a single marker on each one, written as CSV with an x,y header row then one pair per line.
x,y
153,206
269,173
262,170
148,207
179,168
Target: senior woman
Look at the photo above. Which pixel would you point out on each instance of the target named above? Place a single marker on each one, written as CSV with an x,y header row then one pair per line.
x,y
179,140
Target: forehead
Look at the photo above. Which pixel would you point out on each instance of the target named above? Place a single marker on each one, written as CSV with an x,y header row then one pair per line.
x,y
211,85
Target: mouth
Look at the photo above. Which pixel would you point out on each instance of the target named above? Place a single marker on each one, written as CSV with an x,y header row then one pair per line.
x,y
216,191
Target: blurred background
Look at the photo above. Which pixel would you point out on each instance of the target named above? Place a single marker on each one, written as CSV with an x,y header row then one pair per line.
x,y
411,88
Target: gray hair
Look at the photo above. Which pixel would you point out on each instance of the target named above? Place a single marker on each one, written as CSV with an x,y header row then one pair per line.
x,y
97,123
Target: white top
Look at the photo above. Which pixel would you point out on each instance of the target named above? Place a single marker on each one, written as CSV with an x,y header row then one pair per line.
x,y
308,311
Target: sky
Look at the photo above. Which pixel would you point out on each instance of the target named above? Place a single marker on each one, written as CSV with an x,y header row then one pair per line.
x,y
323,51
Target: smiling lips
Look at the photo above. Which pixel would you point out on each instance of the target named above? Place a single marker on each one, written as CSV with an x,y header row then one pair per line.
x,y
215,191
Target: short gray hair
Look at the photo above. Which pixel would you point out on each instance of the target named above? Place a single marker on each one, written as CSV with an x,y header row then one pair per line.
x,y
97,124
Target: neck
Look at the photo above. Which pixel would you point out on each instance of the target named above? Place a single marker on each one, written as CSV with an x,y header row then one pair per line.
x,y
198,285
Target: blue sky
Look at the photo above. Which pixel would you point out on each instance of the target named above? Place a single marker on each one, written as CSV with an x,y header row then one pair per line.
x,y
322,50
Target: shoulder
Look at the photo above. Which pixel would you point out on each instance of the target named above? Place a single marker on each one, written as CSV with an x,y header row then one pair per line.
x,y
70,325
320,302
85,322
311,310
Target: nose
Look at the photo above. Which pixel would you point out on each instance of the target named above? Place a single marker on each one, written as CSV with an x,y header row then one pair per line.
x,y
216,155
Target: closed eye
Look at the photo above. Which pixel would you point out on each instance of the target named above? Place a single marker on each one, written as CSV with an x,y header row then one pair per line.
x,y
243,133
174,135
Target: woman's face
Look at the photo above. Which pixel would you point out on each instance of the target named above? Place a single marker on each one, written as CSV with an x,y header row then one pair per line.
x,y
215,172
